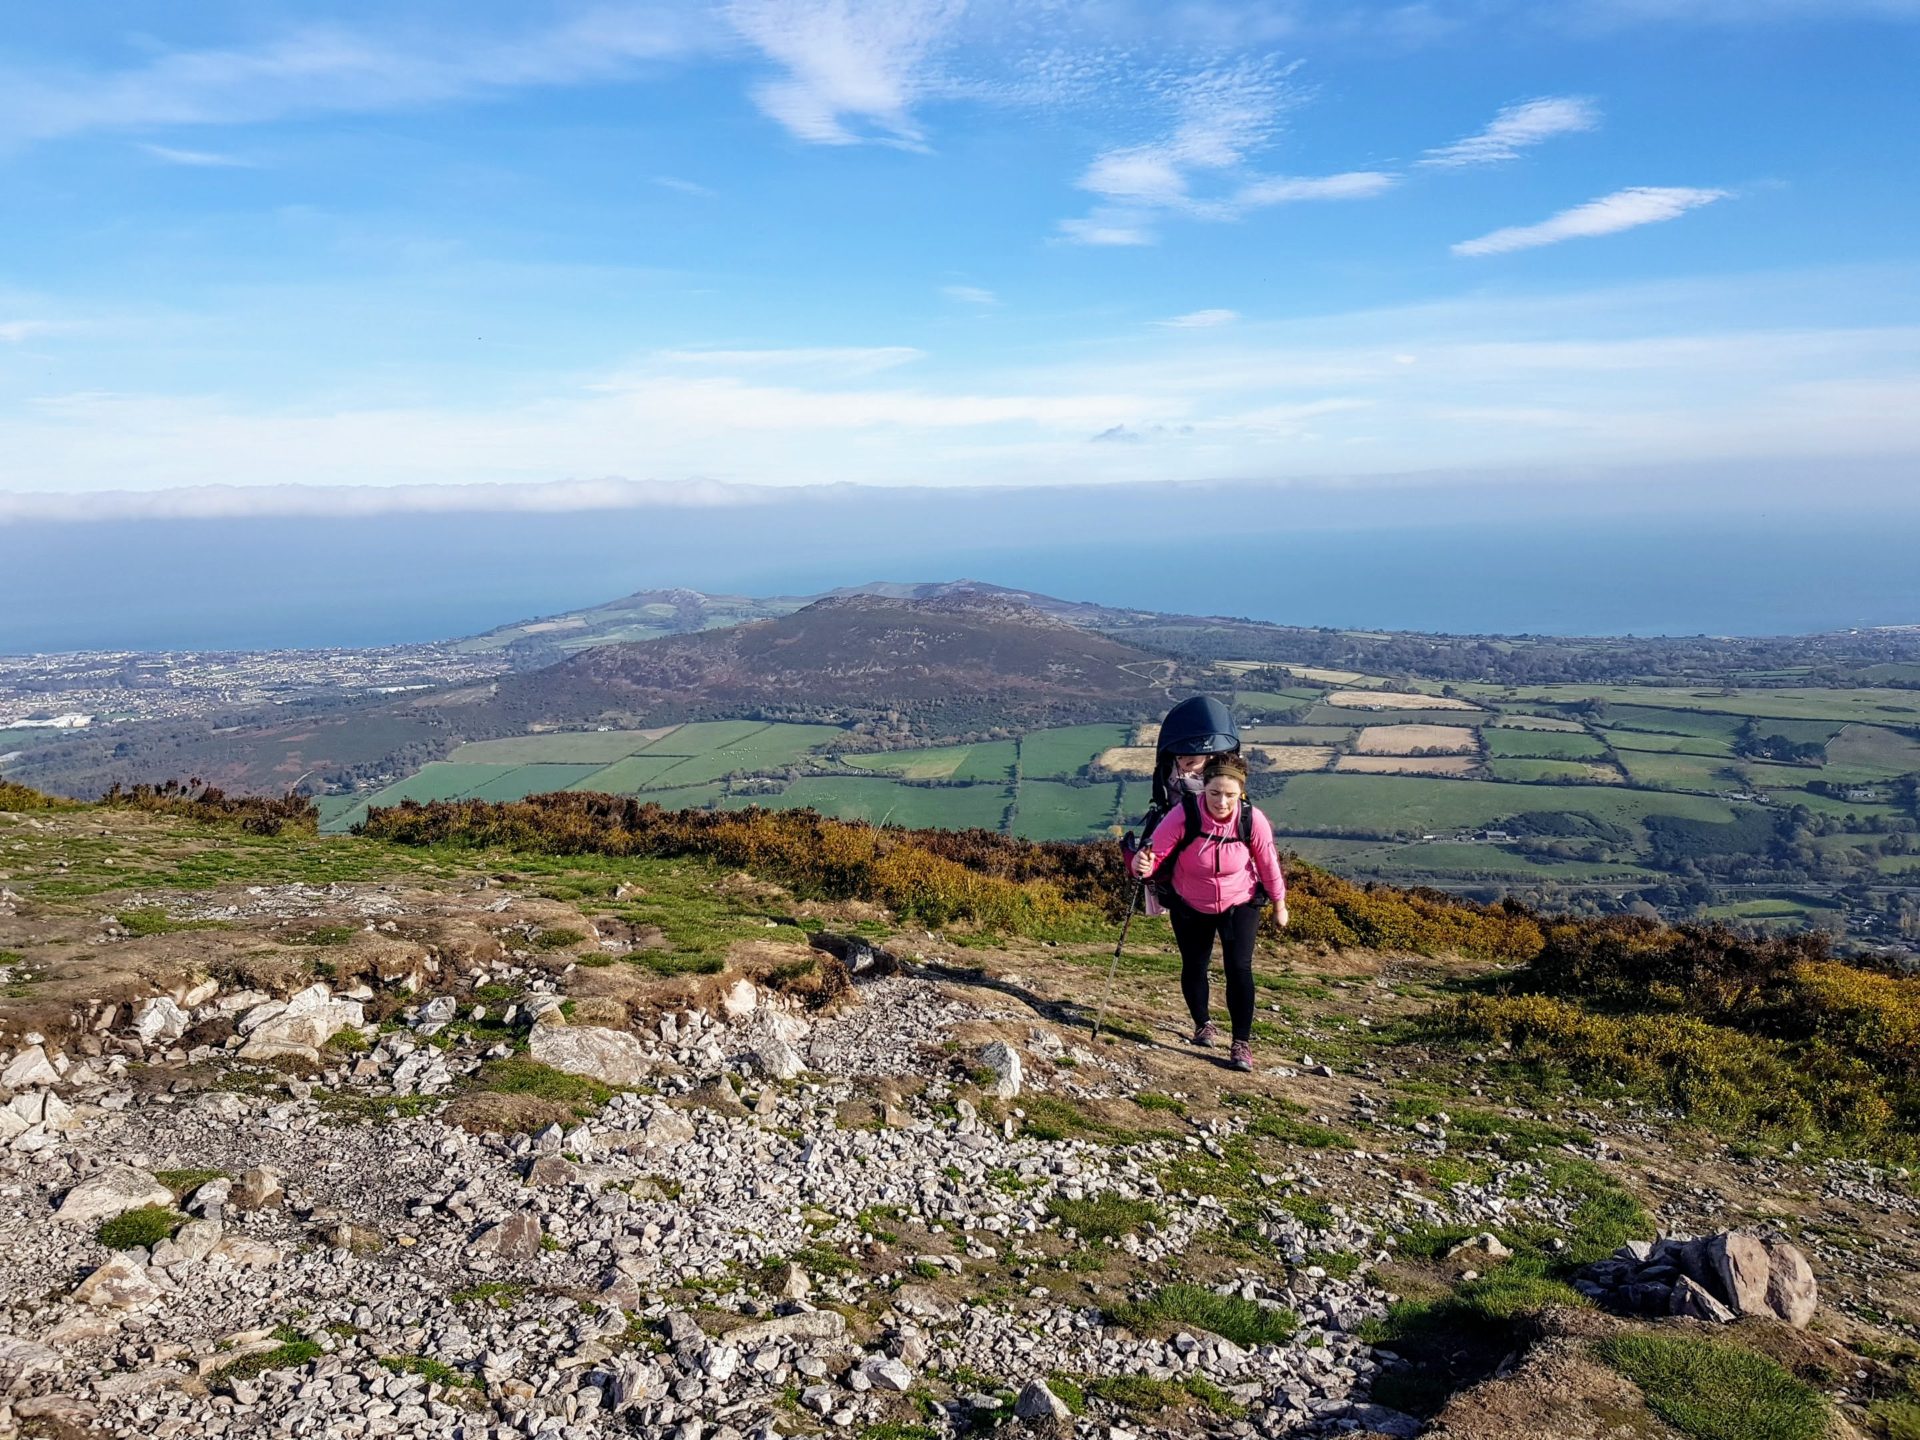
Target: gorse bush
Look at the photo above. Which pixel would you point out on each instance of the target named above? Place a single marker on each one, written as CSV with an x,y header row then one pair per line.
x,y
256,814
15,796
1757,1036
939,877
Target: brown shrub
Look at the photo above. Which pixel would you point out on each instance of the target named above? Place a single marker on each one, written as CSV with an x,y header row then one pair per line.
x,y
256,814
485,1111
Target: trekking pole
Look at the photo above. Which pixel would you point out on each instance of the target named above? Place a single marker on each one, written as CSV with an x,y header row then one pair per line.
x,y
1100,1015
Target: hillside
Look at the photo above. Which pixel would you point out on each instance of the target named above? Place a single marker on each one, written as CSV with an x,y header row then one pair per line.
x,y
428,1139
961,662
653,614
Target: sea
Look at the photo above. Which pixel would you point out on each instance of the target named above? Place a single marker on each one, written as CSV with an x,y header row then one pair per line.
x,y
322,582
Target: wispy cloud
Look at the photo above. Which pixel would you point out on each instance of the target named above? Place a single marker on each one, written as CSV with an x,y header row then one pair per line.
x,y
812,359
12,332
1200,320
1516,128
1106,227
199,159
970,295
684,187
1198,170
848,63
322,70
1622,210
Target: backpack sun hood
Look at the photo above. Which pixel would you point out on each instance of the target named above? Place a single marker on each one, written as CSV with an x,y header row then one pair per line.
x,y
1198,725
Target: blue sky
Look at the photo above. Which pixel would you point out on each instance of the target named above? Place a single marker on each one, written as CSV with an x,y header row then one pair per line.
x,y
586,254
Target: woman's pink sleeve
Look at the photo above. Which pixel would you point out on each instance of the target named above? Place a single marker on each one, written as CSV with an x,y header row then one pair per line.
x,y
1266,858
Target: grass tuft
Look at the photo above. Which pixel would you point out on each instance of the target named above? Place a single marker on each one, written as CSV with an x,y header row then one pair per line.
x,y
144,1227
1231,1317
1106,1216
1714,1391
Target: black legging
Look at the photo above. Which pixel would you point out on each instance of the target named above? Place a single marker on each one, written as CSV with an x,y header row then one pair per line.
x,y
1194,930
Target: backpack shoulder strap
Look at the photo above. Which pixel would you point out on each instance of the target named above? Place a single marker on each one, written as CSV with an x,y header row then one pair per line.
x,y
1246,822
1190,810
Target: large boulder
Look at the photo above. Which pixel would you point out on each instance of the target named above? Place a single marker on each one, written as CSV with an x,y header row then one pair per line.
x,y
515,1238
303,1023
1740,1270
113,1191
28,1069
612,1057
807,1327
158,1019
120,1284
1038,1402
1792,1293
1002,1061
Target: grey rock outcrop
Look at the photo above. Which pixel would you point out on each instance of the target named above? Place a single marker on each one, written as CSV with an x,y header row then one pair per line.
x,y
113,1191
612,1057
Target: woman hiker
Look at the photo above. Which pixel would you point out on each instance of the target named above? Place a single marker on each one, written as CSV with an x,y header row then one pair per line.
x,y
1225,869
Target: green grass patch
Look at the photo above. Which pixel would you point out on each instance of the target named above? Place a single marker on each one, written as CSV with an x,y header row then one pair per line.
x,y
437,1371
152,920
184,1182
290,1354
1142,1396
144,1227
519,1075
1713,1391
1230,1316
1105,1216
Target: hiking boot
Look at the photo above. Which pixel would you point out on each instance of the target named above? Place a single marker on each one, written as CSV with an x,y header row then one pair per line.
x,y
1206,1035
1242,1055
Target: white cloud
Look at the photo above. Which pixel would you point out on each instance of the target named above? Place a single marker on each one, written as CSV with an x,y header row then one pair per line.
x,y
1284,189
1200,320
198,159
838,359
324,69
1517,127
1107,227
12,332
970,295
846,61
205,502
684,187
1222,117
1622,210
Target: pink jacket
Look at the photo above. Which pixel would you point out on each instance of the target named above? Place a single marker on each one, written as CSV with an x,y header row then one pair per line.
x,y
1216,872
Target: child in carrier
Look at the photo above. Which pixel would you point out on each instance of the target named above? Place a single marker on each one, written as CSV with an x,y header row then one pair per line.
x,y
1197,728
1217,849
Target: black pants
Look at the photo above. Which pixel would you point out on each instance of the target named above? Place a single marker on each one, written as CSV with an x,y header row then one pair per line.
x,y
1194,931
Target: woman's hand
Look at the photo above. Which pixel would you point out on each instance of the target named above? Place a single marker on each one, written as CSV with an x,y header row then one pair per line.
x,y
1143,863
1282,914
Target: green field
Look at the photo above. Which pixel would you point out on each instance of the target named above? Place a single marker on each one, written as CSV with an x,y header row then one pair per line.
x,y
1535,771
1868,705
525,780
1335,715
1541,744
1296,734
629,776
1869,746
1050,810
566,748
991,761
1653,743
760,749
953,807
1677,771
1451,862
1389,804
1055,754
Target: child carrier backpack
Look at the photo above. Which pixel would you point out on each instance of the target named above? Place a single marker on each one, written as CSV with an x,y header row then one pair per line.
x,y
1198,725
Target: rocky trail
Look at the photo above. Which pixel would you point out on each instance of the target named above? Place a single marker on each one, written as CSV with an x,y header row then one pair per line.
x,y
450,1152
